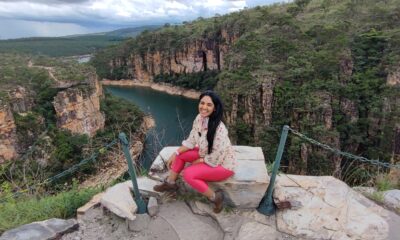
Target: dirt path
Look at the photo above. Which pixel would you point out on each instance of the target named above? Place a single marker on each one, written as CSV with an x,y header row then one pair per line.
x,y
50,70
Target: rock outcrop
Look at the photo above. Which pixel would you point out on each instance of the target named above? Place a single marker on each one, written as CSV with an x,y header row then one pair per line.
x,y
195,56
245,188
78,110
8,135
21,100
49,229
326,208
322,208
255,105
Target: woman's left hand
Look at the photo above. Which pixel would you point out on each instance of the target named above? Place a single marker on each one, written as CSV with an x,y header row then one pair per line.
x,y
200,160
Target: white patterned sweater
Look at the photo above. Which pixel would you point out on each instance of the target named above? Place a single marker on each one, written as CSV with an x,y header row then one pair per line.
x,y
222,151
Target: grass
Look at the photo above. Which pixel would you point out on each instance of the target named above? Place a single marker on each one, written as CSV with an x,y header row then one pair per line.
x,y
377,197
62,205
383,183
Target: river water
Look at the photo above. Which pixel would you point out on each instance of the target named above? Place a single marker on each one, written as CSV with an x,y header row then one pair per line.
x,y
173,115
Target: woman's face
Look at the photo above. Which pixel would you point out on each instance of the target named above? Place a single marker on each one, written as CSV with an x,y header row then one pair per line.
x,y
206,106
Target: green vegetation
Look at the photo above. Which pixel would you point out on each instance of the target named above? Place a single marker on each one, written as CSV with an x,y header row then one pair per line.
x,y
58,47
121,116
48,149
61,205
326,62
384,183
199,81
69,45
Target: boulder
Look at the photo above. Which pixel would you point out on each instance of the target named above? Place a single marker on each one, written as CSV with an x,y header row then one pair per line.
x,y
243,190
118,199
329,210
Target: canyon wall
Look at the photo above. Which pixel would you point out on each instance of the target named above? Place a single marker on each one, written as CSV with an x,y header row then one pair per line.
x,y
78,109
8,136
195,56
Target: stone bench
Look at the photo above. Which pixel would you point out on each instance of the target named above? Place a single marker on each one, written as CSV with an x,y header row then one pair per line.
x,y
243,190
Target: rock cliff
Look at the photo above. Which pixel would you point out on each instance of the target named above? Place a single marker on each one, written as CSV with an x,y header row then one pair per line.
x,y
195,56
8,136
78,109
21,100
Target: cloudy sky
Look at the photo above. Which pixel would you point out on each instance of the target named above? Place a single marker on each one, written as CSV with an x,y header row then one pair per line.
x,y
26,18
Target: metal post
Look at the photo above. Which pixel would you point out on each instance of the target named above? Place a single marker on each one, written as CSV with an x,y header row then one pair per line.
x,y
267,206
138,198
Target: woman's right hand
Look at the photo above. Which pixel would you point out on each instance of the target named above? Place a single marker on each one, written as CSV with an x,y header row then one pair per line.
x,y
171,160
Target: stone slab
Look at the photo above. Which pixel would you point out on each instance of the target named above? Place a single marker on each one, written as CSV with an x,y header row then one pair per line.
x,y
33,231
246,187
118,199
158,164
49,229
60,225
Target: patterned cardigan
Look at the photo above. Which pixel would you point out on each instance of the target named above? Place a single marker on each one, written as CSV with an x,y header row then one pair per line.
x,y
222,152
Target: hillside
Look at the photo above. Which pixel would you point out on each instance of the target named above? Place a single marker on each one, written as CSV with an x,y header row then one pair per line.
x,y
53,114
326,68
69,45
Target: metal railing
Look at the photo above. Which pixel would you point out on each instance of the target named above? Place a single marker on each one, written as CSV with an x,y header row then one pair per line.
x,y
125,147
267,206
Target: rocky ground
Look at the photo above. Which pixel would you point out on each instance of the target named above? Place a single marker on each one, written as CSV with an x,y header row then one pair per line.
x,y
320,208
178,219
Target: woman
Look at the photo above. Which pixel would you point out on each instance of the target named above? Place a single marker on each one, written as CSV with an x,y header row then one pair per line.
x,y
209,151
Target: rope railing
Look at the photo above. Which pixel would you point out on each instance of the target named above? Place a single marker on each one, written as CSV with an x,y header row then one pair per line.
x,y
123,140
345,154
267,206
68,171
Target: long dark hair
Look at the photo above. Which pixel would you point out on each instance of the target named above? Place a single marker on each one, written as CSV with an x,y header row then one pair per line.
x,y
215,118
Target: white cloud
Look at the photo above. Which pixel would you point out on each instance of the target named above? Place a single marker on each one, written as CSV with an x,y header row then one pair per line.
x,y
116,13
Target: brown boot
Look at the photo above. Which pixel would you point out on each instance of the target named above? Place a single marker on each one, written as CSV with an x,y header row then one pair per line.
x,y
165,186
218,201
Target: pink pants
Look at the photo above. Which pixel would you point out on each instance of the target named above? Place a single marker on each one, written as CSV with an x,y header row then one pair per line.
x,y
196,175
